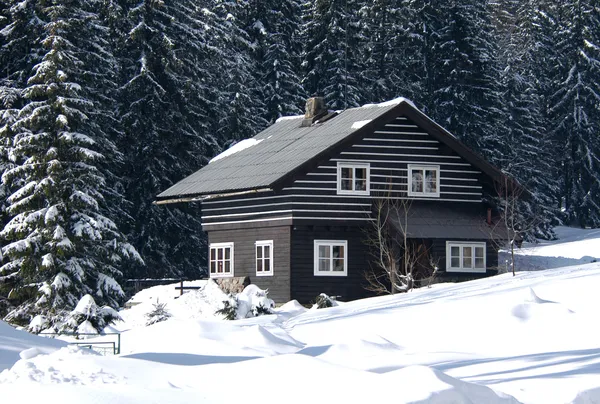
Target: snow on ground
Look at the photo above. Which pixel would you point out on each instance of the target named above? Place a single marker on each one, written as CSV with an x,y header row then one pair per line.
x,y
13,342
573,246
532,338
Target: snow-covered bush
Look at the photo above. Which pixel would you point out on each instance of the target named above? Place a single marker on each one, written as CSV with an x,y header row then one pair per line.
x,y
323,301
251,302
88,318
158,313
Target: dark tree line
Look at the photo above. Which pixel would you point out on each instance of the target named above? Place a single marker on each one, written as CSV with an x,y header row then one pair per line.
x,y
105,103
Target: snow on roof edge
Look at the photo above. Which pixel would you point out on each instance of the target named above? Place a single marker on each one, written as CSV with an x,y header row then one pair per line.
x,y
391,103
288,118
237,147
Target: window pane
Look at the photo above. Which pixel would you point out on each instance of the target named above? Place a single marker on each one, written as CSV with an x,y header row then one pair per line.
x,y
430,181
220,267
455,252
478,262
212,254
324,251
467,251
220,253
267,266
227,253
338,265
338,251
324,264
227,267
467,257
417,181
346,172
259,251
259,265
360,173
213,267
479,252
455,262
346,185
267,251
360,185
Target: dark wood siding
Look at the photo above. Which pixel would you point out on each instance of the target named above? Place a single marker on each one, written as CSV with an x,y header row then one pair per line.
x,y
389,150
312,196
305,285
245,257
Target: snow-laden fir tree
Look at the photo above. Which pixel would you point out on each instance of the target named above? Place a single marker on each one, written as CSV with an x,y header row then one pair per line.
x,y
525,135
574,109
391,50
241,109
273,31
59,242
465,98
330,59
167,106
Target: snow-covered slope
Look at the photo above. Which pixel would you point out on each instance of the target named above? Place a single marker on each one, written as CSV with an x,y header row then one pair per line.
x,y
13,342
532,338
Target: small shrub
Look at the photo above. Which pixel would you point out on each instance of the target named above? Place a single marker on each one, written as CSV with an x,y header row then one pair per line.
x,y
251,302
323,301
158,314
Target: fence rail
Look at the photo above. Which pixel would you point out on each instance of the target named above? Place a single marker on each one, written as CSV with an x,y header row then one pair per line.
x,y
90,343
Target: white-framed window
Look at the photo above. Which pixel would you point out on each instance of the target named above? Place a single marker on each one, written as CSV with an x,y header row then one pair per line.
x,y
331,258
220,263
465,256
423,180
353,178
264,258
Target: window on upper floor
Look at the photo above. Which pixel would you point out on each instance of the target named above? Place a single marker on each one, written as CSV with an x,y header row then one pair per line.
x,y
264,258
331,258
353,178
423,180
465,256
221,260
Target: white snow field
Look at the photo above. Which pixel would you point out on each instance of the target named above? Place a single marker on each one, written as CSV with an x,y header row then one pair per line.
x,y
532,338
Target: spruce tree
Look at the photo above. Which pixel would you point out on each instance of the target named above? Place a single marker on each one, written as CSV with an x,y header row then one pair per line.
x,y
61,244
167,109
465,99
574,109
330,59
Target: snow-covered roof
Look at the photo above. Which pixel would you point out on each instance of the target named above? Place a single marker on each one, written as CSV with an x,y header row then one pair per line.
x,y
285,147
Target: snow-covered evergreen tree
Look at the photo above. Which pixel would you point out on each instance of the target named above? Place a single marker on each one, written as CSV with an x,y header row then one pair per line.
x,y
273,29
574,109
330,60
60,243
525,133
465,99
167,107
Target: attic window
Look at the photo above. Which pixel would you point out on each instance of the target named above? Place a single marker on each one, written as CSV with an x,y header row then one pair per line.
x,y
353,178
423,181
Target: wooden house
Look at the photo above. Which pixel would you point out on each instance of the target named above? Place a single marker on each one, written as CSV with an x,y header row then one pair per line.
x,y
290,206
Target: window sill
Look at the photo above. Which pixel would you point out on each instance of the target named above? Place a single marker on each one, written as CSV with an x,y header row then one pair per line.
x,y
424,195
264,274
330,273
340,192
468,270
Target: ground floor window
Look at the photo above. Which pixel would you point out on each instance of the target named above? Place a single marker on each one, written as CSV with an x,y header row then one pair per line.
x,y
465,256
221,260
264,258
331,258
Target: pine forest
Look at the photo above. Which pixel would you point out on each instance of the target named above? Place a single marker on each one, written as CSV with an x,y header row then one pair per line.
x,y
106,103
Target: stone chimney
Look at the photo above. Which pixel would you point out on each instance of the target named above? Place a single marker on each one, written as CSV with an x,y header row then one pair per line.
x,y
315,109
